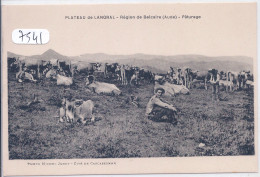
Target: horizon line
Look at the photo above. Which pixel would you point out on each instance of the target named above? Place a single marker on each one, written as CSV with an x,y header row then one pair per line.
x,y
136,54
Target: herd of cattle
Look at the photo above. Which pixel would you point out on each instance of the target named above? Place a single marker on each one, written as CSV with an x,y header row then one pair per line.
x,y
175,81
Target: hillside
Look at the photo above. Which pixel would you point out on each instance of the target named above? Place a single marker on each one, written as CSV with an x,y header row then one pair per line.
x,y
155,63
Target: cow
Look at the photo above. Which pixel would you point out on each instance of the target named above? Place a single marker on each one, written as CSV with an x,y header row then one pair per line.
x,y
180,76
242,78
171,89
85,68
66,68
158,77
227,81
132,75
146,75
234,77
37,68
24,75
201,77
135,76
102,87
249,83
52,74
228,85
188,77
123,75
54,63
171,72
13,64
63,80
80,110
110,69
250,80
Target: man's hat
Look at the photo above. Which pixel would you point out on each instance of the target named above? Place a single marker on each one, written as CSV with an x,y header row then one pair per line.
x,y
160,88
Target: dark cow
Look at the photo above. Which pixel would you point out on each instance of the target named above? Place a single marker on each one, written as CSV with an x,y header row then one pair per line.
x,y
66,68
132,74
146,75
13,64
110,69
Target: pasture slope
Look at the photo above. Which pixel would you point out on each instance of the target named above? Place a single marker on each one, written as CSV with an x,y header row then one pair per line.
x,y
224,128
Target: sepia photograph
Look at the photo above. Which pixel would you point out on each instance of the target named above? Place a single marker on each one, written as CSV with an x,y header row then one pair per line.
x,y
122,88
123,106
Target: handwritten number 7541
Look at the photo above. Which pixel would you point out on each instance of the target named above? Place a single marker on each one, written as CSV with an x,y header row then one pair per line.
x,y
36,38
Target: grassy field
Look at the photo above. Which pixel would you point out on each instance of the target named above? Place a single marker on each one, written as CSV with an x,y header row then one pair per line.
x,y
222,128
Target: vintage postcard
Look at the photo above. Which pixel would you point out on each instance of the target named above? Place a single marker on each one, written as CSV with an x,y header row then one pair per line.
x,y
129,88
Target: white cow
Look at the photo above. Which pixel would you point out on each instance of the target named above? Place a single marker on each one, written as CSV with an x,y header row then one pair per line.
x,y
229,85
51,74
249,83
22,76
63,80
172,89
102,87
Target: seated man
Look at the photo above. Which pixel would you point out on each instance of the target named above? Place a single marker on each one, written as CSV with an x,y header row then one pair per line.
x,y
160,110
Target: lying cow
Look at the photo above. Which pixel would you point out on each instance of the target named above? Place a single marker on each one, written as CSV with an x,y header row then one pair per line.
x,y
80,110
52,73
24,76
102,87
63,80
172,89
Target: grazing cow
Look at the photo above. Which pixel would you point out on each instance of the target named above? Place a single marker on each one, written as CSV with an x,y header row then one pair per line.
x,y
102,87
63,80
78,109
